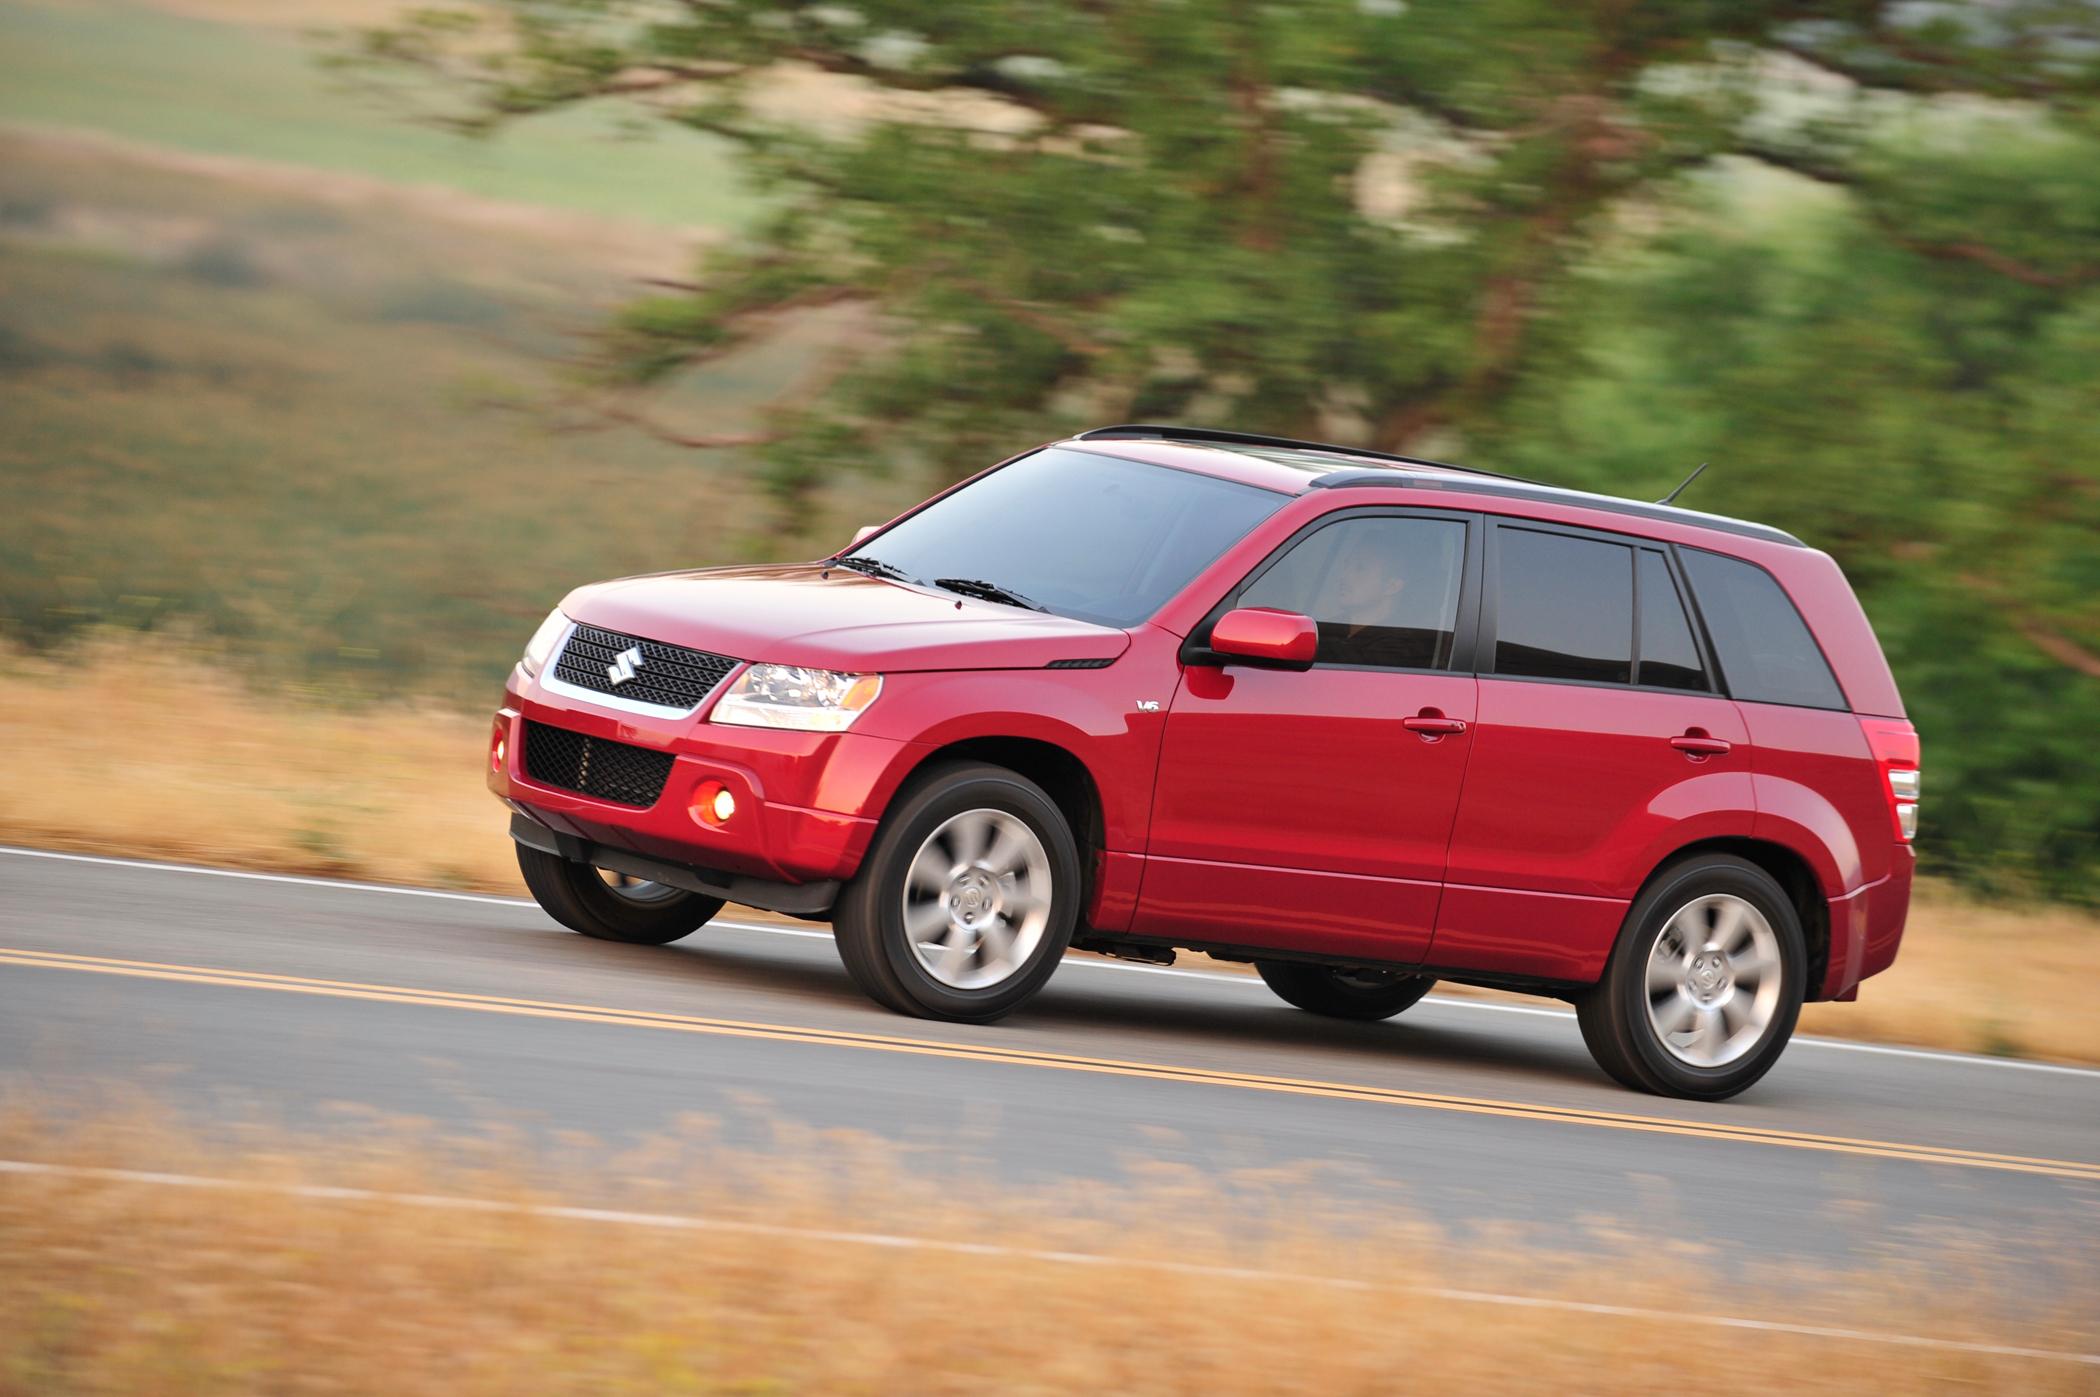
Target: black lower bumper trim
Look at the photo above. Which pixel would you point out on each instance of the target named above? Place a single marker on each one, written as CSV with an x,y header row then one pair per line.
x,y
793,899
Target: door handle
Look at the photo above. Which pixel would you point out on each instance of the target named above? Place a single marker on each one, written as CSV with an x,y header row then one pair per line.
x,y
1432,724
1697,745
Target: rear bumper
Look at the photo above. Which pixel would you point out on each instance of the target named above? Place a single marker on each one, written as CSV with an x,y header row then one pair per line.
x,y
1866,928
806,803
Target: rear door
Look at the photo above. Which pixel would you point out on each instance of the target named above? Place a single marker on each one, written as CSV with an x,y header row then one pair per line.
x,y
1295,809
1600,732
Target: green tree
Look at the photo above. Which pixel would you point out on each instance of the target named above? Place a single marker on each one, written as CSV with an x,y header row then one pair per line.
x,y
1849,250
1342,216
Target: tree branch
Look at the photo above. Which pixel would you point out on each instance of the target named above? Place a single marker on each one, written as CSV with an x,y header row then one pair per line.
x,y
2062,649
634,417
1999,262
1807,164
2006,265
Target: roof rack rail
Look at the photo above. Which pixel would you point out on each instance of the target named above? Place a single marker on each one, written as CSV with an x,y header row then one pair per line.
x,y
1556,494
1199,435
1514,486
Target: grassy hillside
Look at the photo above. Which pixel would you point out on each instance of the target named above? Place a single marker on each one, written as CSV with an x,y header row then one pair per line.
x,y
266,411
128,69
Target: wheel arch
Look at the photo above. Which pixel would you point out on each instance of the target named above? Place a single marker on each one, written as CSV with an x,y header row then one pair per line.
x,y
1790,869
1063,776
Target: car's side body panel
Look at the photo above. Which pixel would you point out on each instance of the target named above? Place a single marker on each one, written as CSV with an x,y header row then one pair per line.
x,y
1293,810
1573,797
1817,793
1574,789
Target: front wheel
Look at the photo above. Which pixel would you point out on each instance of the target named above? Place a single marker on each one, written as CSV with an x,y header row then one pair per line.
x,y
1364,995
612,906
966,900
1704,985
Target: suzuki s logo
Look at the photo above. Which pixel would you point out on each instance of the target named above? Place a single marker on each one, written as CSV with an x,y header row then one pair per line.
x,y
624,665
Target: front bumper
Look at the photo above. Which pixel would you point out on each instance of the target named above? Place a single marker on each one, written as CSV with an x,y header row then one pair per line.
x,y
806,802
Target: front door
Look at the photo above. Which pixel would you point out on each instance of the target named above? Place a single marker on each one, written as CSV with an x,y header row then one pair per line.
x,y
1297,810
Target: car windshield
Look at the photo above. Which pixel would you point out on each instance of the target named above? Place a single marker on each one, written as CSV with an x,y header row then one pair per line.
x,y
1099,538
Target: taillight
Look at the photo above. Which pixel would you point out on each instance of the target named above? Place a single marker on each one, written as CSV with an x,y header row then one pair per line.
x,y
1894,743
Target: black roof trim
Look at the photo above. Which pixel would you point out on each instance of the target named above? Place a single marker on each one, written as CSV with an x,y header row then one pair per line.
x,y
1582,499
1138,431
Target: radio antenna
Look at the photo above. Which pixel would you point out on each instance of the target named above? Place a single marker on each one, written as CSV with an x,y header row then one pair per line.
x,y
1671,498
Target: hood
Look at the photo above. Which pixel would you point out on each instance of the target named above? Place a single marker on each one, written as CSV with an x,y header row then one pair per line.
x,y
797,615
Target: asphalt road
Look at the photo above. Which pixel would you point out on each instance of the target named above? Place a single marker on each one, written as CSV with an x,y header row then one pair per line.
x,y
243,996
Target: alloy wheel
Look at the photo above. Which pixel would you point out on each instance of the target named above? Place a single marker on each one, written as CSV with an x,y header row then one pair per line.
x,y
1714,980
977,899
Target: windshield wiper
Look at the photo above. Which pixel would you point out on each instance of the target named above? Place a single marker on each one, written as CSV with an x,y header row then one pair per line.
x,y
874,567
988,591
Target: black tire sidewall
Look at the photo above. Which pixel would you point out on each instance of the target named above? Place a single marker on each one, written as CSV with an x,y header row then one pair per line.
x,y
1320,989
574,895
642,923
943,796
1659,1069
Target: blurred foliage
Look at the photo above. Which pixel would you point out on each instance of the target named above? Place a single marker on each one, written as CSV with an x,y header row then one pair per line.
x,y
1850,251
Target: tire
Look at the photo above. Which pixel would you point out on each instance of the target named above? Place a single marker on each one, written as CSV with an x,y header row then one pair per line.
x,y
639,914
967,898
1363,995
1730,968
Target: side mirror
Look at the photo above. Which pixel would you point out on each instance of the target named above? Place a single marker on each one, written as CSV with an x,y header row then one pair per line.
x,y
1259,636
863,531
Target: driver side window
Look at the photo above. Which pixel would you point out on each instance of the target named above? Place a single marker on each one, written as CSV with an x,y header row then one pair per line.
x,y
1383,590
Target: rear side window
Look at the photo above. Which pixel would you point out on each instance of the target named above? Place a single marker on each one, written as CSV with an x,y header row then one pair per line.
x,y
1563,607
1383,589
1669,657
1764,647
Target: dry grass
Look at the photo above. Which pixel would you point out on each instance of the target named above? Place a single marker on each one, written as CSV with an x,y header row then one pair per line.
x,y
149,749
152,749
121,1286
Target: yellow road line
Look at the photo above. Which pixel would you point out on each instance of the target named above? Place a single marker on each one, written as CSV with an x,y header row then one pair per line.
x,y
1029,1057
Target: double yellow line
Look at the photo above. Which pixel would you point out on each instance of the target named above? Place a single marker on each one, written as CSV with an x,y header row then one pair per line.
x,y
1028,1057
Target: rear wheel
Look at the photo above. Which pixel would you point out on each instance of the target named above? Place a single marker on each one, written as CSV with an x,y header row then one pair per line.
x,y
1705,983
612,906
1343,994
966,900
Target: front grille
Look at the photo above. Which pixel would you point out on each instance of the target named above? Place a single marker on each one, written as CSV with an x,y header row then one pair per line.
x,y
670,675
610,771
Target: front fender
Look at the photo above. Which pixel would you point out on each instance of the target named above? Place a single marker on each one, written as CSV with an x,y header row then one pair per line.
x,y
1093,714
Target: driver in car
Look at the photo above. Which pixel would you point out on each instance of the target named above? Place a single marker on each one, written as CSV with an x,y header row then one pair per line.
x,y
1368,588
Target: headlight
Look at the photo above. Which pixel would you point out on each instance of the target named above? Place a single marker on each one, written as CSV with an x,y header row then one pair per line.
x,y
540,648
788,696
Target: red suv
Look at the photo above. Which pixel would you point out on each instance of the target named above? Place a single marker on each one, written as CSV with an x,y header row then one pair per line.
x,y
1364,721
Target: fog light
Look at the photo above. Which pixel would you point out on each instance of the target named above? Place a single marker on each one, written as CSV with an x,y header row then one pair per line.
x,y
496,755
713,804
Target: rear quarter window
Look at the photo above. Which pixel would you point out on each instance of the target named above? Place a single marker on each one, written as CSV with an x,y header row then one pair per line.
x,y
1765,649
